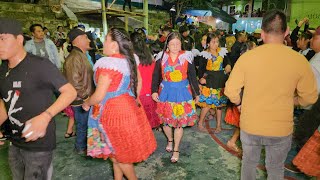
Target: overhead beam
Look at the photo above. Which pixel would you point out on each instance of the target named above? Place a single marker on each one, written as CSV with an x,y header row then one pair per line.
x,y
111,12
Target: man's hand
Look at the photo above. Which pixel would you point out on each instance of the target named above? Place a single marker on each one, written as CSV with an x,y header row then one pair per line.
x,y
36,127
1,136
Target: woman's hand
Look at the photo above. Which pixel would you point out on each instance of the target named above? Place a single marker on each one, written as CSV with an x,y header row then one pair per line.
x,y
196,100
155,97
203,81
227,69
85,106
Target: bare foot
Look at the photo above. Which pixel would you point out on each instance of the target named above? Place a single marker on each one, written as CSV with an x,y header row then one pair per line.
x,y
210,117
175,157
218,130
169,146
202,129
233,146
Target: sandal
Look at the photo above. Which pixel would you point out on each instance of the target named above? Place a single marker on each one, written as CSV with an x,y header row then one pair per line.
x,y
174,159
69,135
217,130
169,149
159,129
202,129
233,147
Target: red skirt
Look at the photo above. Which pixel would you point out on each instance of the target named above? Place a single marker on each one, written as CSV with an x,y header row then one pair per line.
x,y
128,129
150,107
69,112
308,158
232,116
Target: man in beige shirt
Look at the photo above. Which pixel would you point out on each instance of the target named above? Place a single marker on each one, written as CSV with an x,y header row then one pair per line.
x,y
274,78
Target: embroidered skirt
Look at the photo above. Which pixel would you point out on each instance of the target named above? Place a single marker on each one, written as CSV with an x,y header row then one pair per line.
x,y
176,107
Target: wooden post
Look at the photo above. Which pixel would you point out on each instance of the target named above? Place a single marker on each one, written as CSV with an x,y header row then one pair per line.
x,y
126,22
250,10
146,14
104,18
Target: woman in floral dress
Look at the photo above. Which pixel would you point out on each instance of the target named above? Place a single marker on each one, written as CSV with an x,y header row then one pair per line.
x,y
118,126
174,85
213,69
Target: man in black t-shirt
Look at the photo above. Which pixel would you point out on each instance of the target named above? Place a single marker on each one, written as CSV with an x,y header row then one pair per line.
x,y
187,41
26,104
236,48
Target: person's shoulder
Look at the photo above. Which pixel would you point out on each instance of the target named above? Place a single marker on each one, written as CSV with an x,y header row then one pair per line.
x,y
115,63
76,54
49,41
28,43
38,62
205,54
34,59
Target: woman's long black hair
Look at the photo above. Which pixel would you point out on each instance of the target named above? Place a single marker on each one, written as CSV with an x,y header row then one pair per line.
x,y
141,49
125,47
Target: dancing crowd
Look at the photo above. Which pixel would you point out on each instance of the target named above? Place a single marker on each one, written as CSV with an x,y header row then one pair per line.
x,y
167,84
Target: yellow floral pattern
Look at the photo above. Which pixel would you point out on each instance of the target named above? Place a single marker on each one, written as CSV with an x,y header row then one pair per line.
x,y
205,91
214,65
209,65
178,110
176,76
217,63
193,104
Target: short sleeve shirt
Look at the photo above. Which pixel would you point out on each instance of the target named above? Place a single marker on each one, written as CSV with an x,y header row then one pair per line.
x,y
28,90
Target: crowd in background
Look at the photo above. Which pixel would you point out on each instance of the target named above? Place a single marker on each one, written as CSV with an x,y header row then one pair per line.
x,y
177,72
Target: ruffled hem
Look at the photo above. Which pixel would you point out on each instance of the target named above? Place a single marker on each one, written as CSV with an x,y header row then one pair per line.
x,y
141,158
99,156
177,114
203,104
212,98
177,123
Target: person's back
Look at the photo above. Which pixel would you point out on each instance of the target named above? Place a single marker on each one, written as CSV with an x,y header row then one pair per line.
x,y
272,73
274,78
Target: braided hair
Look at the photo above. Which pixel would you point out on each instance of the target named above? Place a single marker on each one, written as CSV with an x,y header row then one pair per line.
x,y
125,47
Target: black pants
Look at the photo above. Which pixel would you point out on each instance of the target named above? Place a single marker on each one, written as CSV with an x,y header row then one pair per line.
x,y
124,4
30,165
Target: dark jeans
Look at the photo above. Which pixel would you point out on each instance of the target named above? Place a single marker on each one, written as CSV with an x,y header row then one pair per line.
x,y
28,165
127,2
276,148
81,118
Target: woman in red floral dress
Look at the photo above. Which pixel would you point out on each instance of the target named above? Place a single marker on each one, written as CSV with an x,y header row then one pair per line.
x,y
118,127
